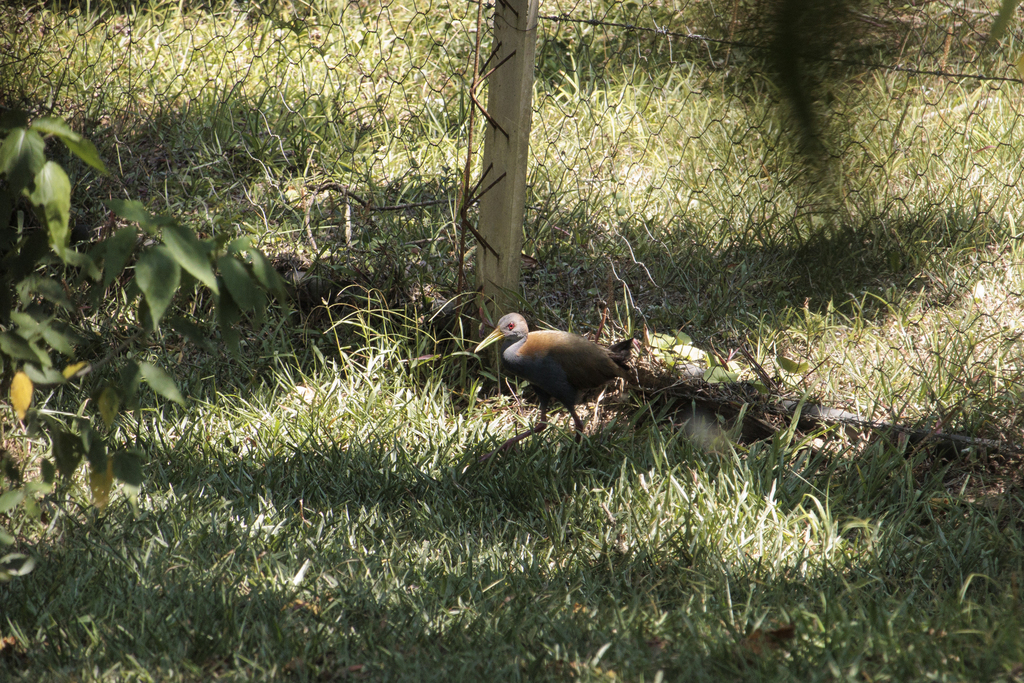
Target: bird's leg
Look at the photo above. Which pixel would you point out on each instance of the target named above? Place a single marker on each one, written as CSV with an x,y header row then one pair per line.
x,y
514,440
541,425
578,423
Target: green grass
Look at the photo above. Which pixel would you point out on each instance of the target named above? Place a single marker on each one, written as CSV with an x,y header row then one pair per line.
x,y
280,537
316,511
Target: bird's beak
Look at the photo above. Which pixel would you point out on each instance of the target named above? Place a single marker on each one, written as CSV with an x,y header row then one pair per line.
x,y
494,336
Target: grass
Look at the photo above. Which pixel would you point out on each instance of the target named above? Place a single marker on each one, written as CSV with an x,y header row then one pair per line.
x,y
341,536
316,512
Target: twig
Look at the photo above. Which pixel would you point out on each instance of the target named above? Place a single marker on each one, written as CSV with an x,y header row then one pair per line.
x,y
368,206
410,205
338,187
826,415
307,222
768,382
92,367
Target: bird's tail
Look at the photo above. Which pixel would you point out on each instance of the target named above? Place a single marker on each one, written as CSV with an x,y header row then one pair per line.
x,y
620,351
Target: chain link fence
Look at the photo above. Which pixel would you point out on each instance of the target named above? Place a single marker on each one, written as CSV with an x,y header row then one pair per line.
x,y
836,183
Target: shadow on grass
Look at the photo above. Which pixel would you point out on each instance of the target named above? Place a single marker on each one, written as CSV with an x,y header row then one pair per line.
x,y
776,269
365,559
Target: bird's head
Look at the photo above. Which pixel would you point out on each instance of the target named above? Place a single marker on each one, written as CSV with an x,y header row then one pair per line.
x,y
511,326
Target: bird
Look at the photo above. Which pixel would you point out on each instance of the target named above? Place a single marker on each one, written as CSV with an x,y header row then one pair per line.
x,y
556,364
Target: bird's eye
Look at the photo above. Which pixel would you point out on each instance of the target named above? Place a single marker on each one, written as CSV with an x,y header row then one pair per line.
x,y
511,326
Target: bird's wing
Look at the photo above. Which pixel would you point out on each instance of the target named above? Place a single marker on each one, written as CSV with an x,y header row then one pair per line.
x,y
586,365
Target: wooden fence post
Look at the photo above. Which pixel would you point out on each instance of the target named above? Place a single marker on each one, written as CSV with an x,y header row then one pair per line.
x,y
506,146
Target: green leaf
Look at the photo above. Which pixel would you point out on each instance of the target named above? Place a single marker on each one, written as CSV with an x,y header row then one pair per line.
x,y
136,212
100,481
5,539
87,152
219,241
130,378
109,404
45,376
28,326
194,333
79,146
146,318
46,287
760,387
161,382
266,275
11,498
51,125
15,564
79,259
67,451
31,507
95,450
59,341
34,487
130,210
22,156
53,332
48,471
239,245
191,254
117,250
792,366
52,195
240,283
128,467
719,375
158,276
1006,11
188,282
661,341
690,353
227,315
16,347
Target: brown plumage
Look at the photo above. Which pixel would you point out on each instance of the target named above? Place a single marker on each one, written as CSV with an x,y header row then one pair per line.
x,y
556,364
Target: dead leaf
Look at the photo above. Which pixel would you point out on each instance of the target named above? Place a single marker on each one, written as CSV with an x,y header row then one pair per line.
x,y
21,394
305,393
12,653
72,369
759,640
109,404
100,483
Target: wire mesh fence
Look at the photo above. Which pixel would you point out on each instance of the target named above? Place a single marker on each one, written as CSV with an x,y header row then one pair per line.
x,y
838,183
